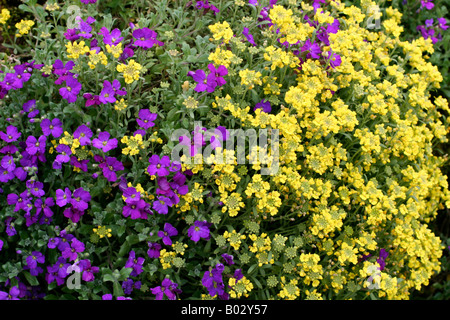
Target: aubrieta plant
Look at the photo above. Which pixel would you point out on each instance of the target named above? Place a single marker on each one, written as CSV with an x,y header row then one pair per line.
x,y
94,205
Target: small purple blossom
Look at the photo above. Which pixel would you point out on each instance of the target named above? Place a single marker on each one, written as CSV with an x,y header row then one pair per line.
x,y
158,165
11,135
146,119
71,90
167,288
104,143
200,229
162,204
169,231
153,250
53,127
135,263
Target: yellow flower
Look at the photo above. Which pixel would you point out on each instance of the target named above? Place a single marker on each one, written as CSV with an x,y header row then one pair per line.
x,y
75,49
4,16
96,58
221,31
102,231
115,50
24,26
130,71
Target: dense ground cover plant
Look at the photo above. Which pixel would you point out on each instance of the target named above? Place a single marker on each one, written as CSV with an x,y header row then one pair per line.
x,y
95,207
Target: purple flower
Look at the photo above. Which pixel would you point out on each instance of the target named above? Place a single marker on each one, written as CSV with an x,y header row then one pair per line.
x,y
131,194
335,59
33,145
216,74
91,100
83,134
58,271
442,23
82,165
213,280
169,231
238,275
64,153
145,119
428,4
30,107
228,258
63,71
85,27
312,48
167,288
11,295
382,258
135,209
71,252
44,206
7,163
5,175
206,6
248,36
153,250
158,166
109,170
265,106
88,270
107,93
71,90
112,38
162,204
1,245
11,135
35,188
135,263
145,38
53,127
63,197
80,199
104,143
200,229
22,75
199,76
128,286
35,258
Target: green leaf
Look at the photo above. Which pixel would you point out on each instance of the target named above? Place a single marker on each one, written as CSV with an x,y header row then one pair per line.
x,y
32,280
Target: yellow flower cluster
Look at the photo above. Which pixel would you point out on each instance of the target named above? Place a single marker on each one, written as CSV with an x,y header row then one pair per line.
x,y
4,16
75,50
131,71
134,144
356,168
24,26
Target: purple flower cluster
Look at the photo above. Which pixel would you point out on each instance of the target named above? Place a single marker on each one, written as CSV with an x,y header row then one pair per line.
x,y
206,6
145,38
167,288
78,200
69,247
15,80
110,91
83,30
382,258
433,29
213,281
